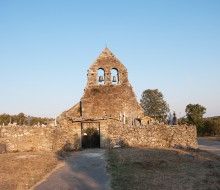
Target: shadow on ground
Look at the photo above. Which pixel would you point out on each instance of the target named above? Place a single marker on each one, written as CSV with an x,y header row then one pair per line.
x,y
82,170
135,168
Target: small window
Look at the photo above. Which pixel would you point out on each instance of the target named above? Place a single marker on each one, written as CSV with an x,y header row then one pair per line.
x,y
114,76
101,76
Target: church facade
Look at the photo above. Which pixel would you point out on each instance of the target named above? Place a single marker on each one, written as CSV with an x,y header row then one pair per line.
x,y
108,98
107,115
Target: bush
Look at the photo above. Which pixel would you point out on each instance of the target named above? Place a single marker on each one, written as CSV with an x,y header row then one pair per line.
x,y
210,127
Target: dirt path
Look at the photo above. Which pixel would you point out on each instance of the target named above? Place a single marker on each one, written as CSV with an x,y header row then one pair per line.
x,y
209,145
82,170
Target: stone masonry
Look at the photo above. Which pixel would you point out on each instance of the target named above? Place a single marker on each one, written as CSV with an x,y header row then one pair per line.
x,y
24,138
109,105
107,99
112,104
160,136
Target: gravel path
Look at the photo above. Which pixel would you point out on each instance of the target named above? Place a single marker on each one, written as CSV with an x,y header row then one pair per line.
x,y
209,145
83,170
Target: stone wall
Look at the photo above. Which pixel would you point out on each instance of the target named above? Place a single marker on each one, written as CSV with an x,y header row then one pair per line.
x,y
25,138
160,136
112,132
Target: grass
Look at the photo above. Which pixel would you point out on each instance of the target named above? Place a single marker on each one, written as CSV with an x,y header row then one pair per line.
x,y
21,171
156,169
131,168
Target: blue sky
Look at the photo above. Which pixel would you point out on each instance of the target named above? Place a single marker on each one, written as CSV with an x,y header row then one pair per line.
x,y
46,48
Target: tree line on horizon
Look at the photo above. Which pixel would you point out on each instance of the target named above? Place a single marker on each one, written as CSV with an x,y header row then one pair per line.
x,y
154,105
22,119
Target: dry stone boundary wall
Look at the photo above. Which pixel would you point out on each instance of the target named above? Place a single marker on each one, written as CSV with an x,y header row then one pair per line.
x,y
24,138
160,136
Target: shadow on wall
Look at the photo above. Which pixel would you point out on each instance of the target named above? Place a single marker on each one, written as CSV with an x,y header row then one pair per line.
x,y
118,143
124,143
65,140
2,148
68,148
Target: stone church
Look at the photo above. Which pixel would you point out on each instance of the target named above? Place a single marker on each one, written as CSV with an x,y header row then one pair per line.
x,y
108,97
107,115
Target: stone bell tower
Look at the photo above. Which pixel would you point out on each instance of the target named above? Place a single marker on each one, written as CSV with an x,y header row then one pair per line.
x,y
108,92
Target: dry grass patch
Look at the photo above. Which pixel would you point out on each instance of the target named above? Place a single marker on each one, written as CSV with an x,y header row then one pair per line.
x,y
156,169
23,170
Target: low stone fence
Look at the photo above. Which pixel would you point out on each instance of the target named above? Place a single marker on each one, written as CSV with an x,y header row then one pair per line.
x,y
160,136
26,138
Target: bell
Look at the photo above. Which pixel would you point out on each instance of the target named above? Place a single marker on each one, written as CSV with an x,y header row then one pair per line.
x,y
114,79
101,78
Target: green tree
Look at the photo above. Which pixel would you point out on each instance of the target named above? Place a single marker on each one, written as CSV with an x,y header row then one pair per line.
x,y
211,126
20,118
154,105
91,131
194,113
182,121
4,118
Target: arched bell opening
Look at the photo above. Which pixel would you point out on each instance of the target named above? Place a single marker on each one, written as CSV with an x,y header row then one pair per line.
x,y
101,76
114,76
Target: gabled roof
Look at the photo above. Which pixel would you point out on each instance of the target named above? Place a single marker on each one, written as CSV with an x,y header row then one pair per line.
x,y
107,57
106,53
